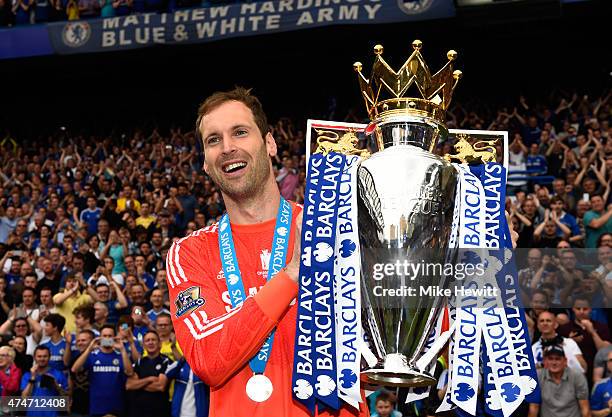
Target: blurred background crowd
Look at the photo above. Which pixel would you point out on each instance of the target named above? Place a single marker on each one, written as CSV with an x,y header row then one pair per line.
x,y
26,12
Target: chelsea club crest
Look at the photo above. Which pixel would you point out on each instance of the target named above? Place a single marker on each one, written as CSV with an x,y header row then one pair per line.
x,y
76,34
188,300
412,7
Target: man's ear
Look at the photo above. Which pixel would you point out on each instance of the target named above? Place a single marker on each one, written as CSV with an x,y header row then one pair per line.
x,y
271,145
205,166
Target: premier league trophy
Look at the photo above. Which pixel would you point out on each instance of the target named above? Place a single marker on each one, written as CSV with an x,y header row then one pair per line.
x,y
387,239
405,208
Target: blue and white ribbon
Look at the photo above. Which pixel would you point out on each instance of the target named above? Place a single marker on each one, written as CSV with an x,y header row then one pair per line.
x,y
468,332
348,287
322,267
500,354
328,330
303,381
509,375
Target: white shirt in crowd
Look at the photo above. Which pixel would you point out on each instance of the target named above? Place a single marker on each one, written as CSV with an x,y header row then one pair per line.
x,y
570,348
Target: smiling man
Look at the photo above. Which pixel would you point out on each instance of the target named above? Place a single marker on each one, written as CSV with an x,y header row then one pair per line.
x,y
564,391
225,338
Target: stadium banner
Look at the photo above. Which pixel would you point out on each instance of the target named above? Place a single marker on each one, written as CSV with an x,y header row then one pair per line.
x,y
208,24
25,41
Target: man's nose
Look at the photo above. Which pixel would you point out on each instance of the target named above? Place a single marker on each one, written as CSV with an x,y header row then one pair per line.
x,y
228,144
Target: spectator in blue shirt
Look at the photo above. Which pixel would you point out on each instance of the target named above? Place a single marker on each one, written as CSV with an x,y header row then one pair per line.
x,y
142,324
8,222
385,405
157,303
188,202
91,215
536,162
190,392
601,399
125,331
14,274
108,365
557,205
43,381
54,325
103,294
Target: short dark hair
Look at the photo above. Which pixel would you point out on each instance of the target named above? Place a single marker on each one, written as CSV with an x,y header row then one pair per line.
x,y
87,311
125,319
541,292
42,347
163,315
240,94
153,332
387,396
89,332
22,319
557,199
108,326
601,238
45,288
56,320
581,298
28,289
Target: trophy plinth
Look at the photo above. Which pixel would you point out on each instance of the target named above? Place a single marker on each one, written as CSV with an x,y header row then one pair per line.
x,y
395,372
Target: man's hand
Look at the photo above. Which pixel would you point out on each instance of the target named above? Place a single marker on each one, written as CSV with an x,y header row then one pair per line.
x,y
588,325
576,337
118,345
94,344
68,337
34,370
513,233
293,268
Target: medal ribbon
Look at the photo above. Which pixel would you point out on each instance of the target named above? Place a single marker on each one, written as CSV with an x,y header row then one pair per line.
x,y
233,277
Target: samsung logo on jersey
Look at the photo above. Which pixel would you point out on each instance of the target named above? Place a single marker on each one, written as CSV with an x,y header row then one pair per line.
x,y
104,368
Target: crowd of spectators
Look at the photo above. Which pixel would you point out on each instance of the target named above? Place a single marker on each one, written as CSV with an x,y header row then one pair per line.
x,y
86,222
26,12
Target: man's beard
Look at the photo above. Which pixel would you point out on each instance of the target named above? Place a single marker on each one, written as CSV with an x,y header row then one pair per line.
x,y
250,184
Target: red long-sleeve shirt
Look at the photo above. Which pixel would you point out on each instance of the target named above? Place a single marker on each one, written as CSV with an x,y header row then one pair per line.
x,y
219,341
9,380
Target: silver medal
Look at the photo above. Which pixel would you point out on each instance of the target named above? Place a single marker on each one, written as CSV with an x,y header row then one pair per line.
x,y
259,388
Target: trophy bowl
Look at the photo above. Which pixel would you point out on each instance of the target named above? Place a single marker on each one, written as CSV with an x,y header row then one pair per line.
x,y
406,201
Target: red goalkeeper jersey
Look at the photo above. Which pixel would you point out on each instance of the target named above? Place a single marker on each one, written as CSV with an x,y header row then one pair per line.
x,y
219,341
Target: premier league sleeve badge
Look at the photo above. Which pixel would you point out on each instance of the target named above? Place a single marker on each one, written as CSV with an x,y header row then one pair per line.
x,y
188,300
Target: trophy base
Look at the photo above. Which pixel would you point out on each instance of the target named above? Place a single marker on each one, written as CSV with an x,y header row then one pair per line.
x,y
395,372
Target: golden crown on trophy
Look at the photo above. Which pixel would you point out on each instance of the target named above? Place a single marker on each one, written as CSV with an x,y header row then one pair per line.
x,y
385,92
